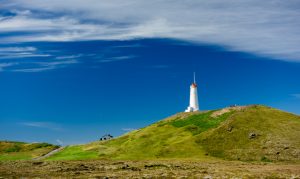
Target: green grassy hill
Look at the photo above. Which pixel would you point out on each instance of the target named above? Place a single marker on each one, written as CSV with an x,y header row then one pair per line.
x,y
251,133
10,150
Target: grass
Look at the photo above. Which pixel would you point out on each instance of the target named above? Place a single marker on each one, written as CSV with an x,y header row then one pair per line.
x,y
200,136
11,150
149,143
74,153
200,122
265,159
277,136
15,156
165,139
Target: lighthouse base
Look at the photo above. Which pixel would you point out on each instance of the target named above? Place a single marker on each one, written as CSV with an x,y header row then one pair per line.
x,y
191,109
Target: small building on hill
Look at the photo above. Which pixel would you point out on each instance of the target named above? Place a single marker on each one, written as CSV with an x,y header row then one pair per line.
x,y
106,137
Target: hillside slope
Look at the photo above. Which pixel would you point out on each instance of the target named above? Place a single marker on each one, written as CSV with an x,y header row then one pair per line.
x,y
10,150
249,133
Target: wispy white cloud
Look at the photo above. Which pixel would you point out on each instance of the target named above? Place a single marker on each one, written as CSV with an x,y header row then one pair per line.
x,y
128,129
117,58
22,55
14,57
57,63
59,142
20,52
68,57
17,49
128,46
46,66
267,28
296,95
46,125
32,70
4,65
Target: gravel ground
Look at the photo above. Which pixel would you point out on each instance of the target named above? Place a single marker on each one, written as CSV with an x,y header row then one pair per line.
x,y
146,169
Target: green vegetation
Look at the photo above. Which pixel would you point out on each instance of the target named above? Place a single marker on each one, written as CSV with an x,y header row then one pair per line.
x,y
163,142
74,153
253,133
250,133
200,122
10,150
14,148
265,159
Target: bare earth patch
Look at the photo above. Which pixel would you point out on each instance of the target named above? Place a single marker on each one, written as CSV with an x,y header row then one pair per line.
x,y
226,110
146,169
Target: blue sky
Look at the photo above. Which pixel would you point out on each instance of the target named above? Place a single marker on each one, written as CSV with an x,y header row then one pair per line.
x,y
72,71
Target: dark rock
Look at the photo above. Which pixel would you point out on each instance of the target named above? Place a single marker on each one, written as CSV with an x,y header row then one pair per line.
x,y
82,167
118,163
101,177
37,163
155,166
135,169
252,135
125,167
286,147
229,129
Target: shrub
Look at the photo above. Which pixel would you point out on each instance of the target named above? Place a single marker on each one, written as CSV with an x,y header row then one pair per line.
x,y
265,159
15,148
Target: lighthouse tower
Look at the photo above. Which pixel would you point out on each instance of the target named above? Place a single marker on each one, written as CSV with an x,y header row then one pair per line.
x,y
194,105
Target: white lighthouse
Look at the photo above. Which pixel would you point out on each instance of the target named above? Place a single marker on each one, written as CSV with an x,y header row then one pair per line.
x,y
194,105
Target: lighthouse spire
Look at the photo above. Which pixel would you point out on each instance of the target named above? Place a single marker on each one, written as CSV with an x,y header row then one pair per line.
x,y
194,77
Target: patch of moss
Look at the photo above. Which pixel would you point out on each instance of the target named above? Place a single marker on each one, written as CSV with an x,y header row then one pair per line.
x,y
265,159
200,122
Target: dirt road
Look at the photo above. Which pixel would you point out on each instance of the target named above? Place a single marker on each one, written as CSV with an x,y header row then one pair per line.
x,y
49,154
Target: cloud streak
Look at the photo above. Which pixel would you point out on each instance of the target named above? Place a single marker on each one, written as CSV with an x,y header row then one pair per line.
x,y
117,58
20,52
17,49
128,129
296,95
69,57
5,65
45,66
266,28
13,59
59,141
46,125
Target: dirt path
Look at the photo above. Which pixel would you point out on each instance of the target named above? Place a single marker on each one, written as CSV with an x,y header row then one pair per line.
x,y
49,154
